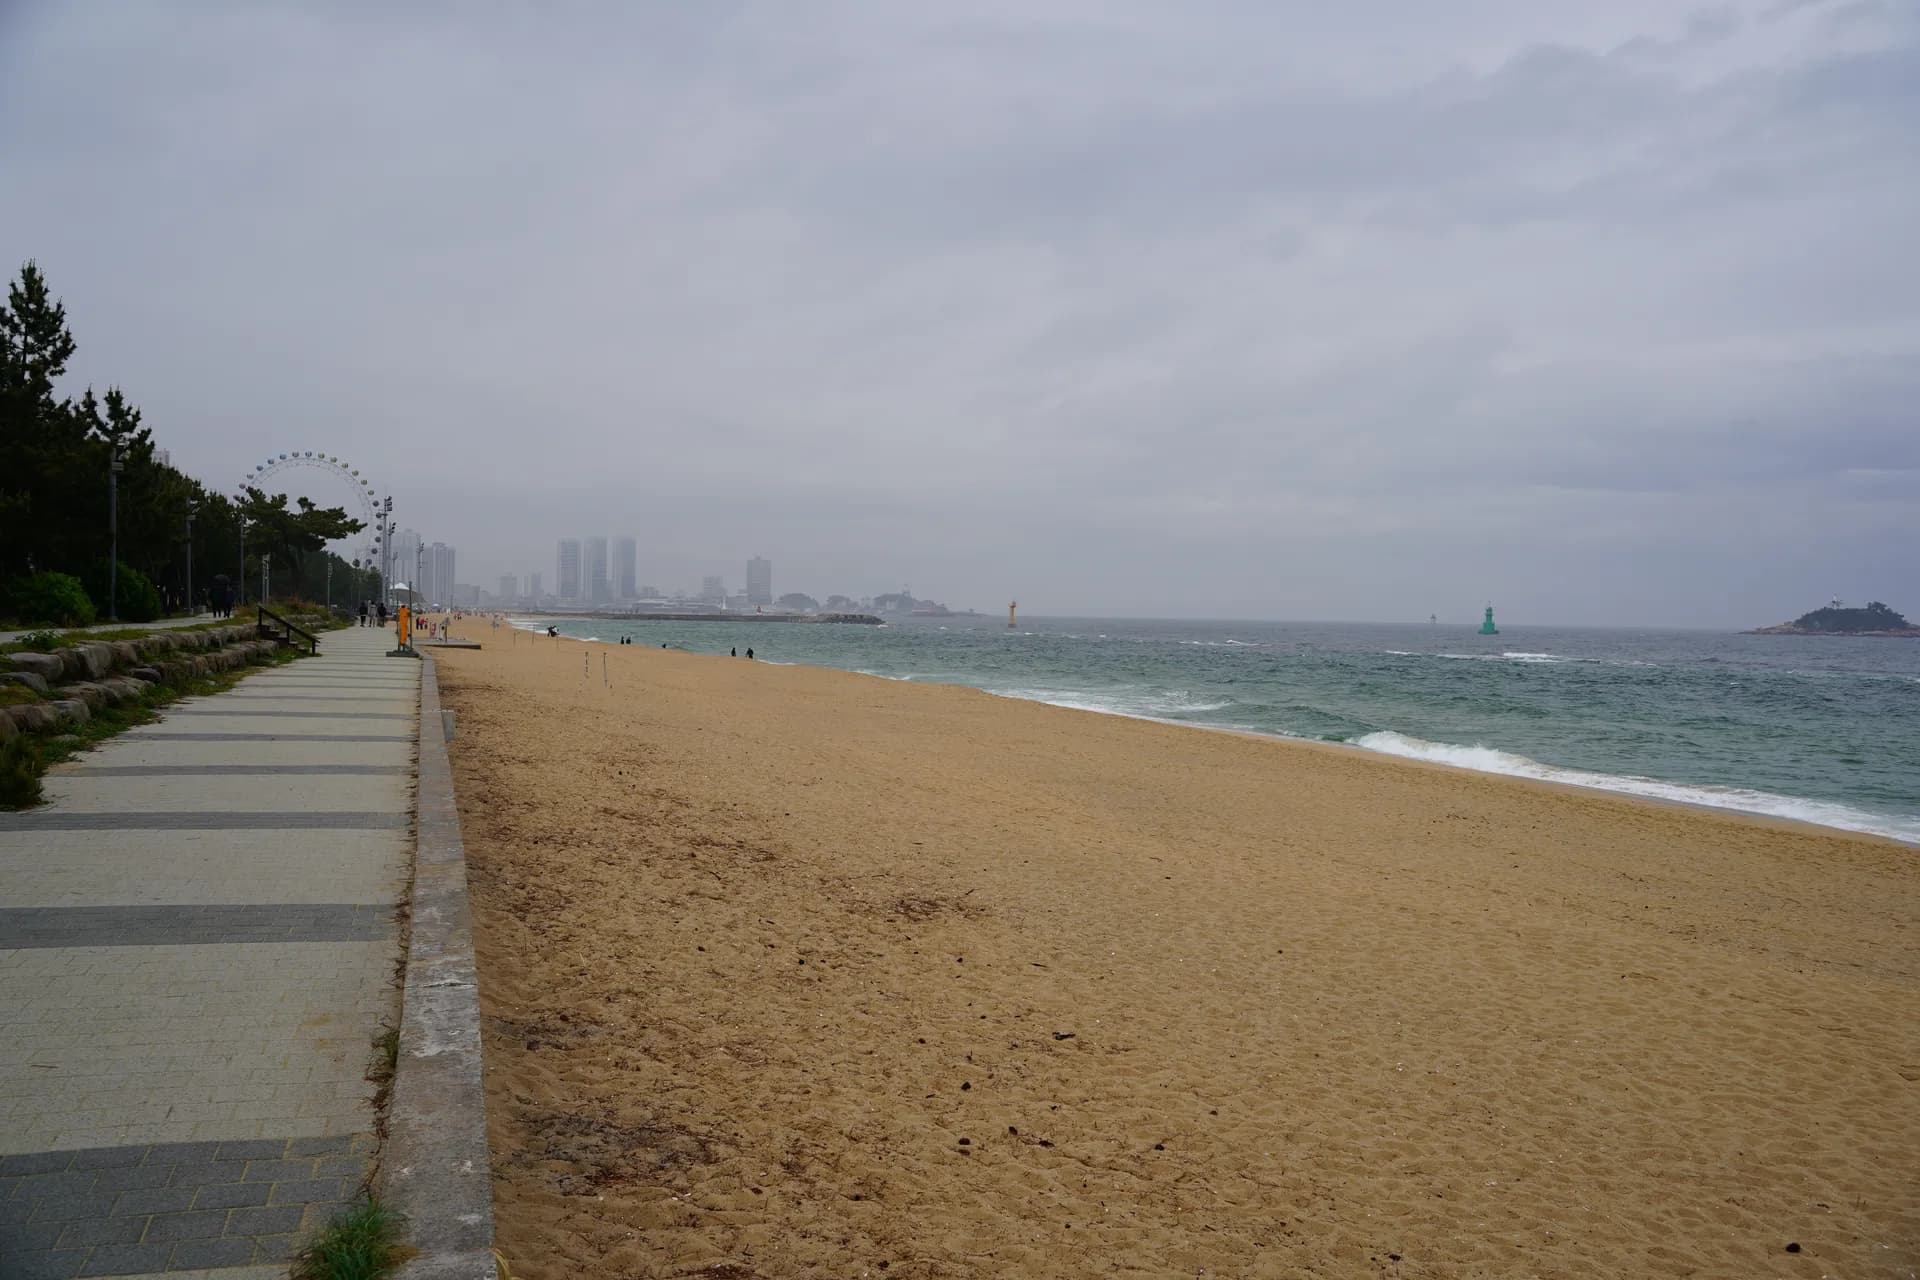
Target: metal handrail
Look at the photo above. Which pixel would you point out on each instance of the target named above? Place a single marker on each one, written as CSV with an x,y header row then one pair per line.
x,y
289,629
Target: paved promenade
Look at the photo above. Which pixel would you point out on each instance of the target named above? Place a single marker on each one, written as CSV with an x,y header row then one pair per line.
x,y
197,949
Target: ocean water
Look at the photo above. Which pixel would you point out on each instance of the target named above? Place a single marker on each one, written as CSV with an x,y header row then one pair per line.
x,y
1821,730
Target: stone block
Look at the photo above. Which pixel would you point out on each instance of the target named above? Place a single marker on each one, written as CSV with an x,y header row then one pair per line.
x,y
147,675
33,717
124,654
32,679
125,688
69,711
47,666
96,660
7,727
94,695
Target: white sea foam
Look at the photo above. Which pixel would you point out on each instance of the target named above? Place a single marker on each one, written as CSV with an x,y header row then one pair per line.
x,y
1139,704
1745,800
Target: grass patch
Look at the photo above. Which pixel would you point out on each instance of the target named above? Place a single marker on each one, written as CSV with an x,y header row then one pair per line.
x,y
13,695
20,770
360,1243
48,641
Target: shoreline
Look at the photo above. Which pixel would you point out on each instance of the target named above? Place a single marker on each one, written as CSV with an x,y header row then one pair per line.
x,y
1600,786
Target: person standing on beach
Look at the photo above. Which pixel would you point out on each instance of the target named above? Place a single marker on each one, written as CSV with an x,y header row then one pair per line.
x,y
749,655
734,652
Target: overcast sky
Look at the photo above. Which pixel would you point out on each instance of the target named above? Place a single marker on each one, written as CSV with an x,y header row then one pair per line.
x,y
1604,312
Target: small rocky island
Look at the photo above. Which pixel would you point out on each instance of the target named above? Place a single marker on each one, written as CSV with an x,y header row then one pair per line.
x,y
1836,619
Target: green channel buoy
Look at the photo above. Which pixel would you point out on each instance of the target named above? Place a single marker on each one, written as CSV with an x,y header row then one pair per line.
x,y
1487,628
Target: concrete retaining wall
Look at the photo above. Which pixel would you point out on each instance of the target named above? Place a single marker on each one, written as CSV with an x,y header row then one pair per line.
x,y
435,1168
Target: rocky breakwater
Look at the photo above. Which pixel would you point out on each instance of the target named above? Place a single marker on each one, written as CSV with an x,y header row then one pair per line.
x,y
66,686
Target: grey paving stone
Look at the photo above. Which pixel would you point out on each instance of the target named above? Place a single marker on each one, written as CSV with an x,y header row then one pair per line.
x,y
197,1255
306,1192
320,1146
214,709
205,1175
180,1152
84,1235
232,1195
219,820
139,1204
62,1265
254,1149
276,1220
35,1162
239,770
198,1225
270,737
351,1167
30,1235
23,928
108,1157
125,1259
278,1170
95,1204
275,1248
44,1186
133,1177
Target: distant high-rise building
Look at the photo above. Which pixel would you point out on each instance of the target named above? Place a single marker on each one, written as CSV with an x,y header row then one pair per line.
x,y
533,588
509,587
599,590
406,555
713,589
438,577
570,568
625,586
759,581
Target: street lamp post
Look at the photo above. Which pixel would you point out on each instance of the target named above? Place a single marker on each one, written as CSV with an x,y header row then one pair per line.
x,y
266,559
191,611
115,463
386,550
241,578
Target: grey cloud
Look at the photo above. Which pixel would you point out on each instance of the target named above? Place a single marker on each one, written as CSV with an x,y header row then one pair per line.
x,y
1117,307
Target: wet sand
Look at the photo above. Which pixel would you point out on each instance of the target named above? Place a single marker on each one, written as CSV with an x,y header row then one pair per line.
x,y
792,972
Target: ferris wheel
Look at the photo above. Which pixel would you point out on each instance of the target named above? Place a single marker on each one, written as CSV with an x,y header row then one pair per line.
x,y
363,493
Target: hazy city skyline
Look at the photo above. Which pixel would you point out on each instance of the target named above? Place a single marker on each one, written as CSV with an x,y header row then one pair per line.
x,y
1603,313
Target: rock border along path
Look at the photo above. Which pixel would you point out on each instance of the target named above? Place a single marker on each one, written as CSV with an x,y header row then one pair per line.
x,y
197,949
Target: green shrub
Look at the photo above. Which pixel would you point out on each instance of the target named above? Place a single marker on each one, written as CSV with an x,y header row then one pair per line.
x,y
360,1243
138,601
55,598
19,772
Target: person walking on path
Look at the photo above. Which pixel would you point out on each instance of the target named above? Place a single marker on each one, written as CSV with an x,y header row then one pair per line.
x,y
363,613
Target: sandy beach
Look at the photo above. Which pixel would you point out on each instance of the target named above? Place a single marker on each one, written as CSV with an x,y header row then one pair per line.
x,y
793,972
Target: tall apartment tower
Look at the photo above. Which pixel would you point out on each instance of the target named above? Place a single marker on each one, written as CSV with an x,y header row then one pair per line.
x,y
509,588
599,590
713,589
406,561
570,569
625,585
759,581
439,574
533,588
